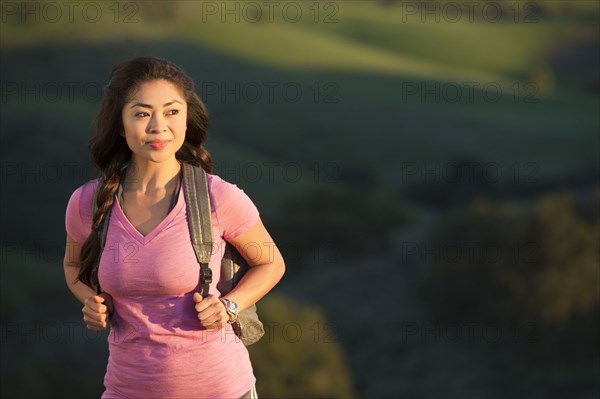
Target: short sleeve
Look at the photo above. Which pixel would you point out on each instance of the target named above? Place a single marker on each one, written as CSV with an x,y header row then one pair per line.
x,y
234,210
78,216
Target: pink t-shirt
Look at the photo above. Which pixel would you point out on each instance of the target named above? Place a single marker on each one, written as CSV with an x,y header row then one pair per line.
x,y
158,349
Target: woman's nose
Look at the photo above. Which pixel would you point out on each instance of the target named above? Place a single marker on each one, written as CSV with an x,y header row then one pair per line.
x,y
157,124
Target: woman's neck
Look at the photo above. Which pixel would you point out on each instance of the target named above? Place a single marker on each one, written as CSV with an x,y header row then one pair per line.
x,y
150,177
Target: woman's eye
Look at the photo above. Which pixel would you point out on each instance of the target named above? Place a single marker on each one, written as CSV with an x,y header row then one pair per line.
x,y
141,114
173,112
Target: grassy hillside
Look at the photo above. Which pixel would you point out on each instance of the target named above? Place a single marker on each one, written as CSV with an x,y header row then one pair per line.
x,y
351,36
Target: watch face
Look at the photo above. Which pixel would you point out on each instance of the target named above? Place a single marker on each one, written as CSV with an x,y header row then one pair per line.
x,y
232,306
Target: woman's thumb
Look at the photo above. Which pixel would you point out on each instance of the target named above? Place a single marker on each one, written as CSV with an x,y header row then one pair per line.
x,y
197,297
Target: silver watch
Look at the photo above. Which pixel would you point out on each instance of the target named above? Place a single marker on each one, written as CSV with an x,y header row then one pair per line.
x,y
231,308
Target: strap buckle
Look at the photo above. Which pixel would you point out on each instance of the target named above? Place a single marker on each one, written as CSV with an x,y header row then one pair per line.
x,y
206,273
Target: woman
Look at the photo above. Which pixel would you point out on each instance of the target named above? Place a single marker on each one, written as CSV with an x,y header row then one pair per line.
x,y
166,340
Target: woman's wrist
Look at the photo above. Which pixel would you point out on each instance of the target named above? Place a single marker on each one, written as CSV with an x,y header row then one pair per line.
x,y
231,308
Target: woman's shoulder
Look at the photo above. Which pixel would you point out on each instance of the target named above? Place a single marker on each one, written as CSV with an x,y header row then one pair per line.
x,y
219,187
87,189
79,213
83,197
233,208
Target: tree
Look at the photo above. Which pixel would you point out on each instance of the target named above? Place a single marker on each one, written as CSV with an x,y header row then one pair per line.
x,y
523,263
299,356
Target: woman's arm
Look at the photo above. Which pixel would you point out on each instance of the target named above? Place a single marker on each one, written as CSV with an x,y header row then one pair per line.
x,y
266,266
95,313
71,267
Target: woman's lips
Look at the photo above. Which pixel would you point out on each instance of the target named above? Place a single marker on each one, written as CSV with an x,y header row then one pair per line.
x,y
158,144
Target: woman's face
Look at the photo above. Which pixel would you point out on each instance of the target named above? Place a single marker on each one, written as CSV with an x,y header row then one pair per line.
x,y
155,121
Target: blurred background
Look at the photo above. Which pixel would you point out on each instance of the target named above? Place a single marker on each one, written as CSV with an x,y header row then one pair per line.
x,y
429,170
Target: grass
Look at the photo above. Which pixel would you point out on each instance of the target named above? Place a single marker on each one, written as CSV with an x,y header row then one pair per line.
x,y
502,48
361,36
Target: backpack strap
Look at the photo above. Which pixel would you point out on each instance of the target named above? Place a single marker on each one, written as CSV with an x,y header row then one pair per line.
x,y
195,190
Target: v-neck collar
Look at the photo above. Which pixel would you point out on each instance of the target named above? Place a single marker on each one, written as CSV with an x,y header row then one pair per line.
x,y
120,214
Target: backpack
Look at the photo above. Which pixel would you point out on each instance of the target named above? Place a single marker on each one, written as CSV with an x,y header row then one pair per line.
x,y
248,326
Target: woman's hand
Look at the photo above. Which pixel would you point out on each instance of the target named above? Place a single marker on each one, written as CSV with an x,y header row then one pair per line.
x,y
211,311
96,311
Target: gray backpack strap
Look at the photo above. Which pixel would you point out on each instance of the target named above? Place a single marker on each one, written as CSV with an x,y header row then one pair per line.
x,y
248,326
195,190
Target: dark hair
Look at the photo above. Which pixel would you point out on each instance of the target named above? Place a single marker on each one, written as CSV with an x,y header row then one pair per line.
x,y
110,151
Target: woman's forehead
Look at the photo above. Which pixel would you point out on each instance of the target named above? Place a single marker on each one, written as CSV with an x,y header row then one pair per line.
x,y
156,92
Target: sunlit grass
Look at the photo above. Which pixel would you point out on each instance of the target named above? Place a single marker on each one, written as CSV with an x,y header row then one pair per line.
x,y
345,36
